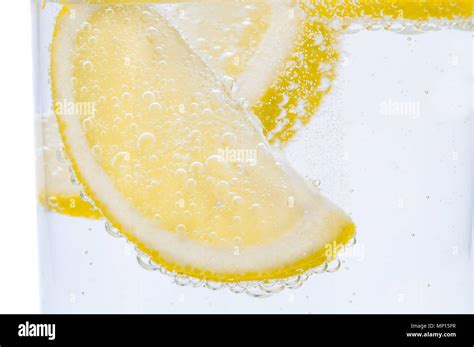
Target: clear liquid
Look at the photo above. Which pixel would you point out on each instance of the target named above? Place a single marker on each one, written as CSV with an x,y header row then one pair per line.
x,y
391,144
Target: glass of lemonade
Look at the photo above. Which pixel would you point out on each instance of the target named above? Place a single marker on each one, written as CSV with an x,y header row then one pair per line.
x,y
254,156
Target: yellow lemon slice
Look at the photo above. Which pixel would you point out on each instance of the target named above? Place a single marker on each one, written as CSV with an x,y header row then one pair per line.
x,y
281,59
55,190
172,162
417,10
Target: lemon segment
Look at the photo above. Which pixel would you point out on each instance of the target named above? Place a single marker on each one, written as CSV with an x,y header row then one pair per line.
x,y
282,61
172,162
299,87
55,190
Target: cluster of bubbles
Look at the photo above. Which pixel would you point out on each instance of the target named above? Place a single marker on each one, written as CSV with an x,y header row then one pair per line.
x,y
405,26
257,289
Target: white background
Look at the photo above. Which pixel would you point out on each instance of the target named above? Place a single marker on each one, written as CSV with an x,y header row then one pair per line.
x,y
18,248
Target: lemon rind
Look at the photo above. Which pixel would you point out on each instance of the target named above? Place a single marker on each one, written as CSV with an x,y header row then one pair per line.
x,y
72,206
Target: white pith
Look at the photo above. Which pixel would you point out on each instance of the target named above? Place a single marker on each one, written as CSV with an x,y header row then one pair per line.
x,y
270,56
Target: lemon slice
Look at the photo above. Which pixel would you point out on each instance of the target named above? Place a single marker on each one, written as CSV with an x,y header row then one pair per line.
x,y
55,190
172,162
391,9
282,60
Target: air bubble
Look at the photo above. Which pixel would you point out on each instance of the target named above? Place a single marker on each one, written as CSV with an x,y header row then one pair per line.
x,y
237,288
145,140
145,262
155,183
237,201
181,229
334,265
214,162
126,97
191,184
112,231
87,123
255,208
87,66
133,127
61,155
229,139
236,220
119,158
197,168
215,285
316,182
109,11
181,174
159,50
96,151
155,107
53,201
148,96
182,280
